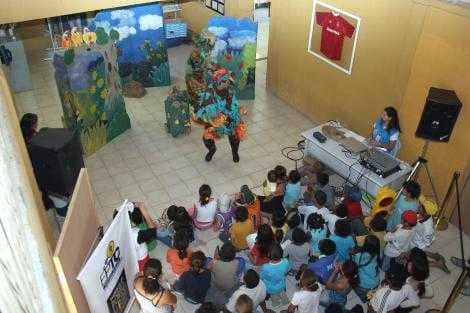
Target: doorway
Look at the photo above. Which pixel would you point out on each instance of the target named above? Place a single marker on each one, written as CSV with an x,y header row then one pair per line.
x,y
261,14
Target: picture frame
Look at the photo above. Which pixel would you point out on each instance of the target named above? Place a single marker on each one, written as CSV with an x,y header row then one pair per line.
x,y
333,35
216,5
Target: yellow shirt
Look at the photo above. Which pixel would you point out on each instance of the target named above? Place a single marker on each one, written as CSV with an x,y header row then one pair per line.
x,y
238,233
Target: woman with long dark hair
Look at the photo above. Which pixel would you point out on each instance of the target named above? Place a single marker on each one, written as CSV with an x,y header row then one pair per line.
x,y
259,253
29,126
152,297
367,259
386,130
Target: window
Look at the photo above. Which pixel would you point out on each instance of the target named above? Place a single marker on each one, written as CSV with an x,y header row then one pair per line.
x,y
216,5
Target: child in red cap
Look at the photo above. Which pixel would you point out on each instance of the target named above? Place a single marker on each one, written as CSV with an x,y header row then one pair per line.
x,y
399,240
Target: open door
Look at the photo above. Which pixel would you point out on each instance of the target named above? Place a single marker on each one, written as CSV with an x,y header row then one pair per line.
x,y
79,234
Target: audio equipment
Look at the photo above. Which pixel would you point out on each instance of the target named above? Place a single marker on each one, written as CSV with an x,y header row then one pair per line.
x,y
380,162
439,115
57,157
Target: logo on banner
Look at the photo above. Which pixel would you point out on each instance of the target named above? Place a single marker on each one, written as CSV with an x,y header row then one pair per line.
x,y
111,264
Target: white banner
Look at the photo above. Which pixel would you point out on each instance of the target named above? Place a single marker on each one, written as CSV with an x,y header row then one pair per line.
x,y
108,276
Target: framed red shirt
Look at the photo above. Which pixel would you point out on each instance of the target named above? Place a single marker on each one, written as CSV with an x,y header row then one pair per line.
x,y
334,29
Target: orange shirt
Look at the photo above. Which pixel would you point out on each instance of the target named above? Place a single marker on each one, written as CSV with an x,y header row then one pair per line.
x,y
178,266
239,231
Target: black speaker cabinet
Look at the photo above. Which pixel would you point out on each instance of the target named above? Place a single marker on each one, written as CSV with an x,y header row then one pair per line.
x,y
56,155
439,115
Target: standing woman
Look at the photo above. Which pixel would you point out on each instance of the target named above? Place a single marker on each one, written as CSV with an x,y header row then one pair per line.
x,y
152,297
386,130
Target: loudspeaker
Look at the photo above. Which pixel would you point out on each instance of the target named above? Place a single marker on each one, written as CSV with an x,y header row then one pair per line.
x,y
56,155
439,115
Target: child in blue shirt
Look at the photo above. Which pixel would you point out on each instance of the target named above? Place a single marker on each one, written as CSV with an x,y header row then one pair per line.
x,y
293,190
318,230
343,239
408,200
324,265
367,259
273,274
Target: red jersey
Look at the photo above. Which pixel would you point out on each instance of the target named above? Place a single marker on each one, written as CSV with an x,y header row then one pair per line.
x,y
334,29
353,208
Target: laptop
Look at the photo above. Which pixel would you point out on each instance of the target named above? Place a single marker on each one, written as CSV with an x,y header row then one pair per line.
x,y
352,145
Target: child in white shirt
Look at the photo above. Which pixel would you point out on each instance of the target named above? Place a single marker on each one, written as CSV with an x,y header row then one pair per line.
x,y
205,209
399,241
318,206
307,299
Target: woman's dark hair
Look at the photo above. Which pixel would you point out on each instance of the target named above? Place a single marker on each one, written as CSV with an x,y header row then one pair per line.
x,y
171,212
294,176
197,261
327,247
351,272
299,237
204,194
419,264
251,279
264,238
320,197
309,280
293,221
280,171
27,123
181,243
334,308
152,271
227,252
276,252
343,228
413,188
323,178
272,178
371,245
315,221
278,222
394,122
241,214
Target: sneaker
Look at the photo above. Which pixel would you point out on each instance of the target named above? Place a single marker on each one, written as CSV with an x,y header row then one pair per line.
x,y
209,155
236,158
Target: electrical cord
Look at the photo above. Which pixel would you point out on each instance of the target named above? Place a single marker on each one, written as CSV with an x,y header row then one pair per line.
x,y
288,152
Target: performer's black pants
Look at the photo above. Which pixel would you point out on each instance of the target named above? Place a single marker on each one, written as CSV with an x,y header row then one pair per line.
x,y
234,144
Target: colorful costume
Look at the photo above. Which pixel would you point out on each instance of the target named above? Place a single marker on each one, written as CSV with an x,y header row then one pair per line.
x,y
220,113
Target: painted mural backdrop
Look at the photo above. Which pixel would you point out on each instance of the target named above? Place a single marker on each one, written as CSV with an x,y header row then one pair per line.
x,y
142,51
89,86
235,49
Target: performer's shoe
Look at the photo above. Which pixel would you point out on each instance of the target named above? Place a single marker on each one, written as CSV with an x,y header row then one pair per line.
x,y
236,157
209,155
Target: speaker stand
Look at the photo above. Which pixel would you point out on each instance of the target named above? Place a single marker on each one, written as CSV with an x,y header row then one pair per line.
x,y
465,269
421,162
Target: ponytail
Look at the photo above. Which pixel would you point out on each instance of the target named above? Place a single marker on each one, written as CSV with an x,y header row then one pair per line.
x,y
204,194
181,243
152,271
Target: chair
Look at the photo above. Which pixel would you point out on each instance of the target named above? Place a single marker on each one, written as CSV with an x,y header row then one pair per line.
x,y
396,150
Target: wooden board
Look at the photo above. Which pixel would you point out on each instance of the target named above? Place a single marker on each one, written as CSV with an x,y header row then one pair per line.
x,y
81,227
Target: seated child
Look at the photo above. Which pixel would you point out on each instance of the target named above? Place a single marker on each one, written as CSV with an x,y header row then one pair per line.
x,y
293,222
377,227
343,239
298,250
279,227
259,254
307,299
139,216
292,191
225,270
242,227
180,222
344,278
205,209
244,304
393,293
273,274
323,265
331,218
194,283
323,184
253,287
408,200
272,199
318,231
249,200
178,256
353,203
399,241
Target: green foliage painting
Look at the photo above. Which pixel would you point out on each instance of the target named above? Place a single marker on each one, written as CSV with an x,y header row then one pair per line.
x,y
90,91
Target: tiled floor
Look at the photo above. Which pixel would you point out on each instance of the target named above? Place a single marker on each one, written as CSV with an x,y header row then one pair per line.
x,y
147,164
